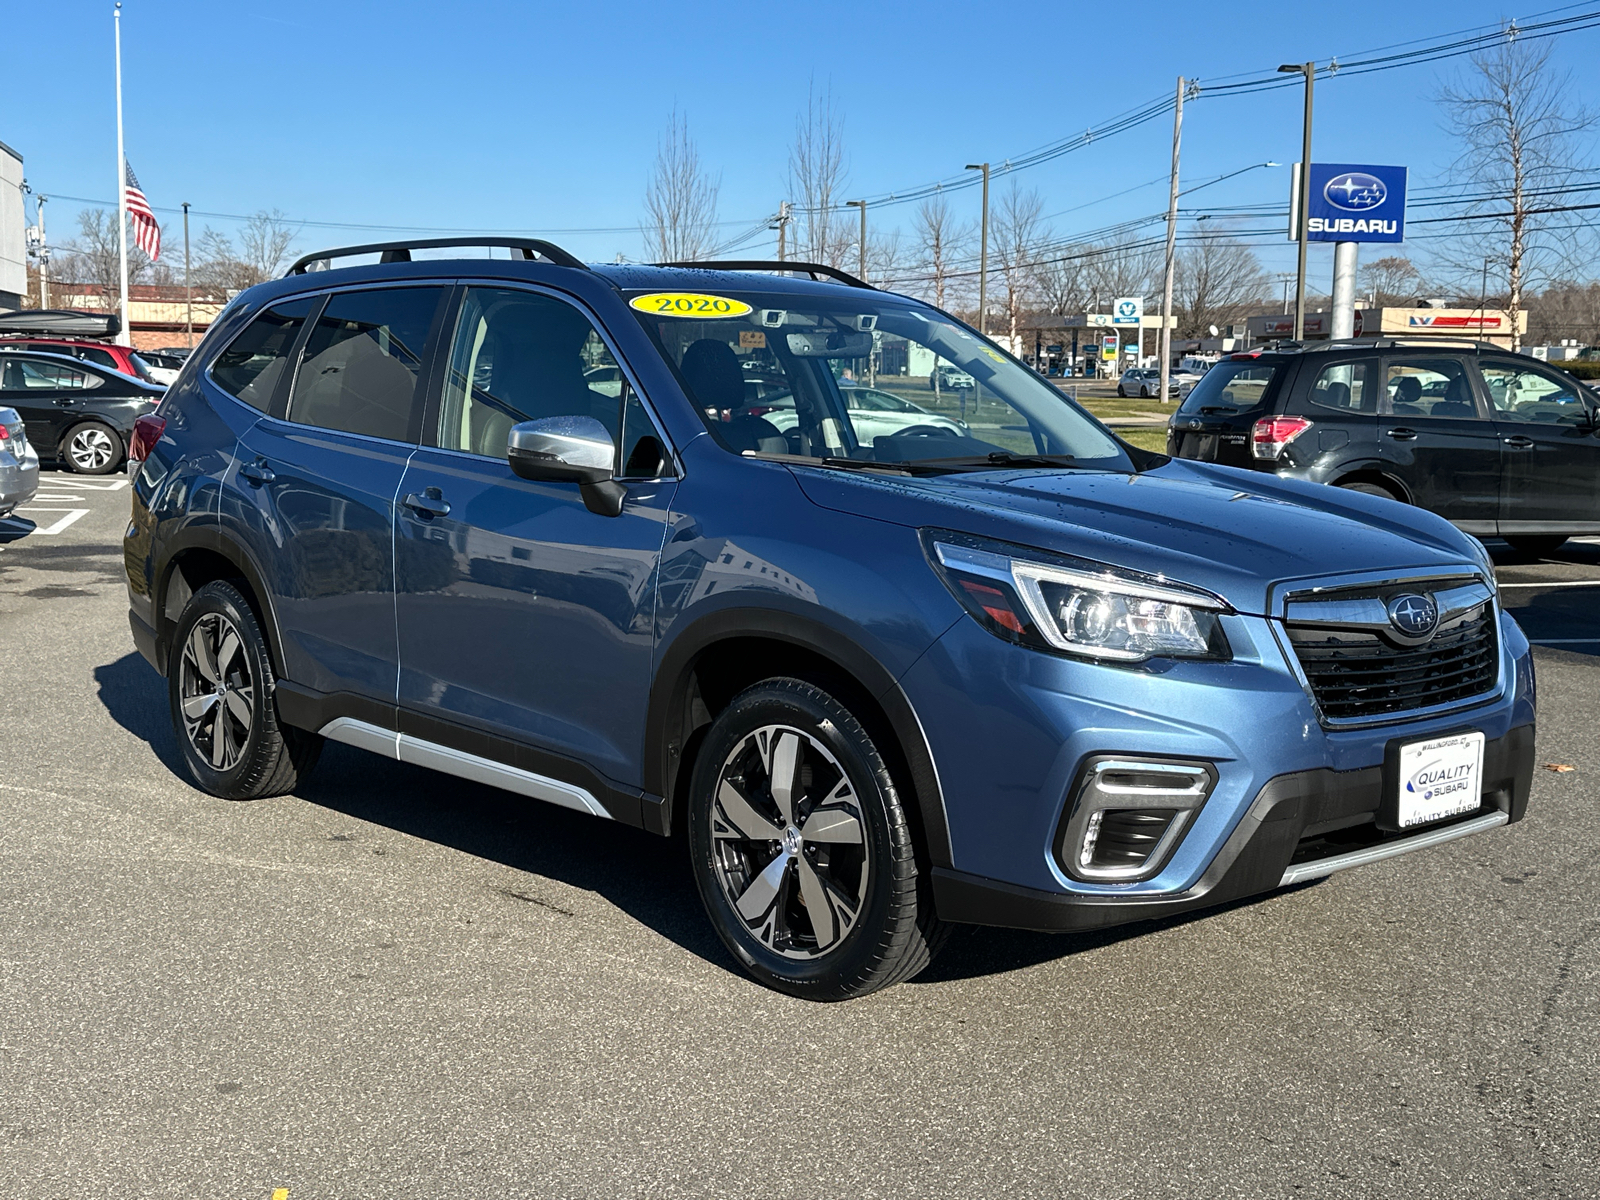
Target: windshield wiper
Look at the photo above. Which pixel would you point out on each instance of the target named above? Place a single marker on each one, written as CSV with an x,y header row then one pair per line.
x,y
999,460
865,464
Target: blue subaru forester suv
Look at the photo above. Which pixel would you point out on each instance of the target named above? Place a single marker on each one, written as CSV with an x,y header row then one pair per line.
x,y
713,551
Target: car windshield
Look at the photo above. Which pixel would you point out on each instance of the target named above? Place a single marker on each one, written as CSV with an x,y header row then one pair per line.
x,y
1237,386
863,378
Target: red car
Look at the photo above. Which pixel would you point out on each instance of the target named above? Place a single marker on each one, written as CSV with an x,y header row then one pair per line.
x,y
102,354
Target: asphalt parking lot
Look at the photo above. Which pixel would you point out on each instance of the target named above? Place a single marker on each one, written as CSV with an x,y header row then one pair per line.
x,y
400,984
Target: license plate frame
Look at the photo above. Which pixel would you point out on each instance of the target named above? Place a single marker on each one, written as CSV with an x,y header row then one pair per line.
x,y
1432,779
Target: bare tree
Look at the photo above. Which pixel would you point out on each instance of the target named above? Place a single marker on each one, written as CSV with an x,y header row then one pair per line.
x,y
262,253
1125,267
941,240
1517,122
92,256
1218,281
1061,280
1017,233
817,177
1391,280
1566,309
681,200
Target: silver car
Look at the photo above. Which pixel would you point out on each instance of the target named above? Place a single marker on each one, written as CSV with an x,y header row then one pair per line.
x,y
19,463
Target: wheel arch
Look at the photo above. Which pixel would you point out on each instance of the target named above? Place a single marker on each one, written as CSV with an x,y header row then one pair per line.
x,y
1370,472
202,556
79,420
720,654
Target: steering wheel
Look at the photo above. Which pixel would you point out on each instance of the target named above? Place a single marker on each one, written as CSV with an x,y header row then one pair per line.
x,y
924,431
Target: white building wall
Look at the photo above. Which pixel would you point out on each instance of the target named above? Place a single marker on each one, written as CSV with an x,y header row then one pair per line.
x,y
13,244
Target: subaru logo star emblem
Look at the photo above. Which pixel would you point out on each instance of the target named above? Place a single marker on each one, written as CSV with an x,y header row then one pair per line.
x,y
1355,191
1414,616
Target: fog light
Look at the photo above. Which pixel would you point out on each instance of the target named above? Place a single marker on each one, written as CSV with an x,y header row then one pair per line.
x,y
1128,815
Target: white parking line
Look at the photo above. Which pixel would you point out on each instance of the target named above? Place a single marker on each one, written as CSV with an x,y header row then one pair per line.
x,y
93,485
1555,584
71,515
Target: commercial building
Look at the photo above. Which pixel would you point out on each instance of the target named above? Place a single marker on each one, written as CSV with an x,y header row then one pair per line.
x,y
13,235
1488,325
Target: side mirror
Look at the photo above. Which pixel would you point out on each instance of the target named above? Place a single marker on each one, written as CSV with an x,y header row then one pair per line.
x,y
569,450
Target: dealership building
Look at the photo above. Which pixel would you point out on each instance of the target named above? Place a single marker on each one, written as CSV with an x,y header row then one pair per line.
x,y
1412,323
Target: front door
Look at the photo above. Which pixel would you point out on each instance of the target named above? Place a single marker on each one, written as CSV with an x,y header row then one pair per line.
x,y
47,395
1439,442
323,477
1551,481
521,613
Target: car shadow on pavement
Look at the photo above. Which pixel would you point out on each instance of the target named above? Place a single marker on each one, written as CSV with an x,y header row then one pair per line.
x,y
645,876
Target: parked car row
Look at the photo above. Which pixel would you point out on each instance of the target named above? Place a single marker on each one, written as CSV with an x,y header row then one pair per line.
x,y
76,412
1496,443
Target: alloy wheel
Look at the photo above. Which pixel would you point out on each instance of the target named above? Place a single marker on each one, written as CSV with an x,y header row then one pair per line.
x,y
217,693
789,849
90,449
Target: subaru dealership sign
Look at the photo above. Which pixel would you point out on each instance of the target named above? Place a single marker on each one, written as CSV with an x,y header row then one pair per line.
x,y
1356,203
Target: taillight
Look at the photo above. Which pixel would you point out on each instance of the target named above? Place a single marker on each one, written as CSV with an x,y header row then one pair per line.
x,y
1272,434
147,432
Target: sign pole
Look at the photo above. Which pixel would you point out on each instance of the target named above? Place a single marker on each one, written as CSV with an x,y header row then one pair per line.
x,y
1303,192
1345,256
124,338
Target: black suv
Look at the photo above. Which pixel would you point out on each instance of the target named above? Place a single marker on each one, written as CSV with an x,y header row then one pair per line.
x,y
1495,442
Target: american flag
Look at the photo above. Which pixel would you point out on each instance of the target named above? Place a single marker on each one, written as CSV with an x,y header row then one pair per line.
x,y
146,233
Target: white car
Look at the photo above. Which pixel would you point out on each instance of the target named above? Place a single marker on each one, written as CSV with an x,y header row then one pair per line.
x,y
873,414
605,380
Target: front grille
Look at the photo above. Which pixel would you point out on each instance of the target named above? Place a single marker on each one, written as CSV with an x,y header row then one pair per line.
x,y
1355,673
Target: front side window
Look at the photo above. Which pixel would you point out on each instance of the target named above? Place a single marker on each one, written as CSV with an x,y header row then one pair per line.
x,y
861,377
358,373
1526,393
254,361
521,356
1424,387
31,375
1345,387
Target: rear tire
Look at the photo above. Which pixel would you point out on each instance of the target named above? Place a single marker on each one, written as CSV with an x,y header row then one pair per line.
x,y
769,855
91,448
1537,545
220,685
1370,489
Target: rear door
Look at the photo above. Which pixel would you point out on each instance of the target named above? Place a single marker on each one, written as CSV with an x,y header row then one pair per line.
x,y
1439,440
1341,402
322,472
1550,448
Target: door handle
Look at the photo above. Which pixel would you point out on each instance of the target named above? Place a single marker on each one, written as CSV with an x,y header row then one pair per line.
x,y
66,401
1520,443
257,472
1403,435
428,505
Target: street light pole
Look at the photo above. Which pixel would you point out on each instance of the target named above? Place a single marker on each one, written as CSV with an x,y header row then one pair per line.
x,y
983,252
1309,70
861,260
1164,340
188,296
44,254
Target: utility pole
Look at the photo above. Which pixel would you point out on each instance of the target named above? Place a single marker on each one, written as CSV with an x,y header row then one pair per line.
x,y
44,254
785,215
1483,295
188,296
124,338
1164,341
983,252
861,260
1302,215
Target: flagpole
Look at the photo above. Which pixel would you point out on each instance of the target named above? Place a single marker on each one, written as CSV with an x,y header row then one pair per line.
x,y
123,337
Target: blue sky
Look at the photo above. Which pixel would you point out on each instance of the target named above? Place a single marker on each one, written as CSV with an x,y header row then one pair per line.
x,y
545,117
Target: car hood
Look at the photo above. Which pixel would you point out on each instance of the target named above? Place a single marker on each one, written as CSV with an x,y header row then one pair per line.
x,y
1230,531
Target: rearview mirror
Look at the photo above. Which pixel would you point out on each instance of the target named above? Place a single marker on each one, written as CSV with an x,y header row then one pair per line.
x,y
569,450
826,343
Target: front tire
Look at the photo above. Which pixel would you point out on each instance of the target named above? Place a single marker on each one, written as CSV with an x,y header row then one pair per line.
x,y
92,448
802,850
220,686
1369,489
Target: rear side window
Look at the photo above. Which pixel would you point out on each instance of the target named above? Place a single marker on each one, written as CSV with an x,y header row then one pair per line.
x,y
31,375
1346,387
1232,387
359,371
1430,387
101,358
253,362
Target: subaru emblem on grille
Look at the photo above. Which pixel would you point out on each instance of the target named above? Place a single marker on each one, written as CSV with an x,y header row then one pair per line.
x,y
1413,615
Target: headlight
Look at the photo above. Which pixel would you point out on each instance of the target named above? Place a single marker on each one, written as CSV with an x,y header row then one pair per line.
x,y
1052,602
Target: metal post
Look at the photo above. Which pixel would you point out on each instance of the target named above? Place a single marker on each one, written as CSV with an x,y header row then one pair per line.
x,y
983,252
188,296
861,256
1164,341
1345,257
124,337
785,210
44,255
1483,299
1309,70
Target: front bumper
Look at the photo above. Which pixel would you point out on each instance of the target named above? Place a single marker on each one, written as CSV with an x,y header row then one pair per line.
x,y
1294,830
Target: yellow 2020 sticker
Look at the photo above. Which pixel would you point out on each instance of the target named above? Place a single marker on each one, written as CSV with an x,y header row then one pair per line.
x,y
689,304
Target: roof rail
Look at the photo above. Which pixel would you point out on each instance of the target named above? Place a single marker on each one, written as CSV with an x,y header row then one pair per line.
x,y
754,264
401,251
1385,343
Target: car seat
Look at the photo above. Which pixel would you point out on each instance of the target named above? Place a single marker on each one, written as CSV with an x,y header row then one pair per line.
x,y
1457,401
711,369
1336,395
1406,394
